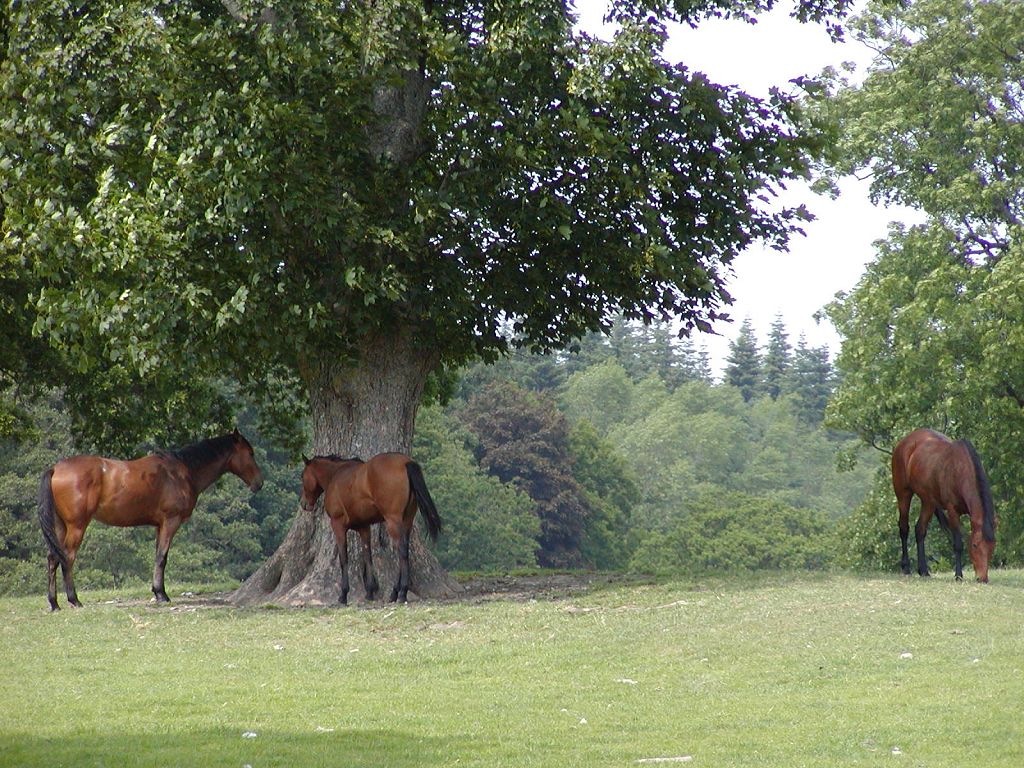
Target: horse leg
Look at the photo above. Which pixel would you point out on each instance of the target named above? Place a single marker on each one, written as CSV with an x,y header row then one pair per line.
x,y
51,572
72,541
979,553
953,520
401,589
341,538
919,533
165,532
369,577
903,500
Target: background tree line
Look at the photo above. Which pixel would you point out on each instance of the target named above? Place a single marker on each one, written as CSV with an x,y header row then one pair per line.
x,y
623,454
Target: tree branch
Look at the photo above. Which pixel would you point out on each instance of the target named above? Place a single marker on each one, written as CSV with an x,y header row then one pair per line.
x,y
267,16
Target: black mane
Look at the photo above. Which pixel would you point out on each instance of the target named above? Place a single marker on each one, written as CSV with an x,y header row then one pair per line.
x,y
336,457
202,453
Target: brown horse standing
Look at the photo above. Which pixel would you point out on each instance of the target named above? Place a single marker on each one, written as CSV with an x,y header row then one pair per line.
x,y
387,489
160,490
948,476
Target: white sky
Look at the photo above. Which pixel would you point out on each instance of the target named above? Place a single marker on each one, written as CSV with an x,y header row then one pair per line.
x,y
838,244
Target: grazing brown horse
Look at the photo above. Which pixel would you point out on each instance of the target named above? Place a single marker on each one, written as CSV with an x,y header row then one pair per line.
x,y
160,490
948,476
387,489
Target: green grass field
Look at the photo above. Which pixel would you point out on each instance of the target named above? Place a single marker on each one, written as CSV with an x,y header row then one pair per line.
x,y
829,670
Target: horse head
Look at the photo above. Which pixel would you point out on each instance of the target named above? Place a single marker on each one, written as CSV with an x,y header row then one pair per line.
x,y
311,486
243,463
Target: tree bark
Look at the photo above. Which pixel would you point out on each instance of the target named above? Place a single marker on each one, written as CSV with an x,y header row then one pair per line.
x,y
356,411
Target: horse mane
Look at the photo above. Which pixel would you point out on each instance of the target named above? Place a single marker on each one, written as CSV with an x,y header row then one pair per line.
x,y
335,457
988,526
202,453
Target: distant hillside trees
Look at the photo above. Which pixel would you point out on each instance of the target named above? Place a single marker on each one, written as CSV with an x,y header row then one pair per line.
x,y
804,374
625,455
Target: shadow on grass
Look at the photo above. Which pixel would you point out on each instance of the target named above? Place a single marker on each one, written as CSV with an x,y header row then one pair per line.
x,y
230,748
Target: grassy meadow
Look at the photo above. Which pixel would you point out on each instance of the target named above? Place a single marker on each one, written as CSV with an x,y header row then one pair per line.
x,y
802,670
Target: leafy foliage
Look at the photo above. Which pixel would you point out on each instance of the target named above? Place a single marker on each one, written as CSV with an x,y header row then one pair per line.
x,y
293,198
489,525
196,189
610,487
932,330
735,532
744,366
523,439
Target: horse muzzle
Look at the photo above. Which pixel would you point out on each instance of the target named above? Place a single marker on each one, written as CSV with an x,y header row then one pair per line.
x,y
256,483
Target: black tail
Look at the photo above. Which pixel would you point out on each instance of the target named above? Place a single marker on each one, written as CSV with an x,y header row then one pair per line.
x,y
988,525
423,500
47,511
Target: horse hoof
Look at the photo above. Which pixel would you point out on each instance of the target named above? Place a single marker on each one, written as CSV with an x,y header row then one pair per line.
x,y
54,607
75,603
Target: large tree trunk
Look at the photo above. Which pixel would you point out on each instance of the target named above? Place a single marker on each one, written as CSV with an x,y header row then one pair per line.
x,y
362,410
356,411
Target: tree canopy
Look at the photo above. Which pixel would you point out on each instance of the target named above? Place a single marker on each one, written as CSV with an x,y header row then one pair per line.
x,y
200,186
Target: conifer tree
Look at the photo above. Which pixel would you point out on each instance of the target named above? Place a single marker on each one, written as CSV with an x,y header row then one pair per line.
x,y
810,381
743,365
776,359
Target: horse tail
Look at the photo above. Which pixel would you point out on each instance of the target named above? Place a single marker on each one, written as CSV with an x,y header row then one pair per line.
x,y
988,525
418,487
940,515
47,518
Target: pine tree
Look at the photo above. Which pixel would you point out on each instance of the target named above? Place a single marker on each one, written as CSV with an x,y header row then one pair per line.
x,y
810,381
777,359
743,365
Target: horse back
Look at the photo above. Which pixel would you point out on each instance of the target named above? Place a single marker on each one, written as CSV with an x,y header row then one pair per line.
x,y
368,493
138,492
935,468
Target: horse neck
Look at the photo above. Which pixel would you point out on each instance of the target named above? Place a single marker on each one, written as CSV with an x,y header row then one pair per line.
x,y
206,475
326,470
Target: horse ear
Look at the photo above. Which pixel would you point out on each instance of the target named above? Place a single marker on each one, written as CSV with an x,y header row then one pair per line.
x,y
305,460
236,433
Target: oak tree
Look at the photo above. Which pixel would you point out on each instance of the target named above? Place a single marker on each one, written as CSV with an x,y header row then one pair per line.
x,y
347,196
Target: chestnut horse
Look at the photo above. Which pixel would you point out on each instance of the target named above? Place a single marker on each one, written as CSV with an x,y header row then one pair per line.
x,y
160,490
387,489
948,476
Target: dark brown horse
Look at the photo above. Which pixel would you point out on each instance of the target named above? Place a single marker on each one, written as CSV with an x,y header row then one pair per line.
x,y
160,490
387,489
948,478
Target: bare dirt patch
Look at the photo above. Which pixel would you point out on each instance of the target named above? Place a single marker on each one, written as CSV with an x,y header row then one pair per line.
x,y
476,589
544,586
